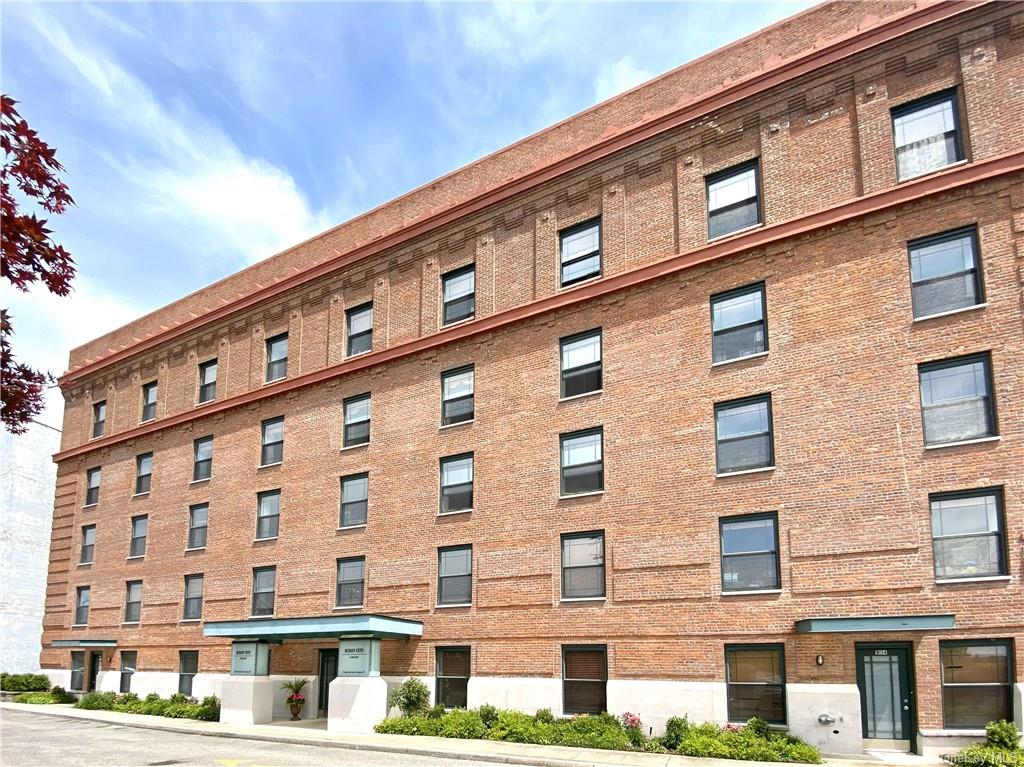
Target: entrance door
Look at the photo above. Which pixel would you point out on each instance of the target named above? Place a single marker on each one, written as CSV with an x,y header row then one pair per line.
x,y
328,672
94,669
885,679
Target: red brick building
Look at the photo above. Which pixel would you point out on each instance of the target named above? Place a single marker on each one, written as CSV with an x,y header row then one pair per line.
x,y
707,400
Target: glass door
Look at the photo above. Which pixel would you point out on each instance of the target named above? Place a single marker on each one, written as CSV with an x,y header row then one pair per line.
x,y
328,672
886,696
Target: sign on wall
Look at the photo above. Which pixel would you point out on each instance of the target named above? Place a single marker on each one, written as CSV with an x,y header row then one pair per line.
x,y
250,659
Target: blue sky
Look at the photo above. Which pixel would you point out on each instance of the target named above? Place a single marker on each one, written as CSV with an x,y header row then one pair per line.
x,y
202,137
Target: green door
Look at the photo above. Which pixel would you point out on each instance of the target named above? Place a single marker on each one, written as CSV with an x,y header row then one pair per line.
x,y
884,676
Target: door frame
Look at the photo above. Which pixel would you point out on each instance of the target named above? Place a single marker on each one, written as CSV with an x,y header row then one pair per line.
x,y
911,682
323,684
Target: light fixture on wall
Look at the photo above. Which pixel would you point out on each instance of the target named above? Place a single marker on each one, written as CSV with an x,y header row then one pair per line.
x,y
820,660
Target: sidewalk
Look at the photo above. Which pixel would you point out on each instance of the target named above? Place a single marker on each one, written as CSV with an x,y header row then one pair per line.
x,y
450,748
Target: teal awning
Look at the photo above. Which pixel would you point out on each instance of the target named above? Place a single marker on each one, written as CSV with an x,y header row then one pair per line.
x,y
875,623
83,643
279,629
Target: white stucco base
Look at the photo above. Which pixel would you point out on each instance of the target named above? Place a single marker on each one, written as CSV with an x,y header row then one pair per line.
x,y
248,699
59,677
656,701
356,703
526,694
806,702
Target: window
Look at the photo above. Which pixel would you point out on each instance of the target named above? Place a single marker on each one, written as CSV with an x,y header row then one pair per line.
x,y
82,596
755,680
738,324
193,597
750,553
99,418
133,602
455,575
92,486
584,679
956,400
359,321
129,662
77,670
88,544
581,252
355,490
967,534
926,135
208,381
743,432
198,519
357,421
582,462
583,565
268,514
272,441
351,580
457,483
277,357
263,579
457,396
143,473
452,676
149,401
202,464
944,274
976,682
581,364
140,528
188,667
733,201
458,294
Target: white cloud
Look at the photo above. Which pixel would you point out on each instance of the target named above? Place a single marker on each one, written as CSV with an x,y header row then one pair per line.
x,y
617,77
516,30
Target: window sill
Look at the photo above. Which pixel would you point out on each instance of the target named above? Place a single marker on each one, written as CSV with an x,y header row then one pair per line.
x,y
275,380
591,494
137,556
453,323
979,579
84,564
952,732
577,284
750,592
746,471
951,312
268,538
759,355
454,513
343,608
205,403
470,422
199,481
79,625
750,228
129,623
445,607
931,172
581,396
148,420
352,527
358,354
978,441
197,548
261,617
190,620
268,465
354,447
140,495
583,599
91,505
93,439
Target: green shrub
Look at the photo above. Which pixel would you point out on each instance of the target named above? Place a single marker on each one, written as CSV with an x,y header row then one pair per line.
x,y
61,695
460,723
37,698
758,727
545,716
984,755
434,712
675,730
24,682
176,710
410,697
97,701
488,714
408,725
600,731
517,727
1003,734
179,697
654,746
209,709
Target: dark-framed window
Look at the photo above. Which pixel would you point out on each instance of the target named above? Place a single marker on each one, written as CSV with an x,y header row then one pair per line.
x,y
143,473
583,565
455,575
277,357
140,531
453,669
357,421
750,552
77,670
956,399
202,458
739,323
208,381
263,585
926,134
457,395
355,494
268,514
83,596
734,200
584,679
92,486
580,359
582,461
148,401
743,434
457,483
99,418
968,534
129,664
458,294
193,609
132,601
945,273
351,582
359,326
755,680
580,252
977,682
272,441
198,524
188,667
88,544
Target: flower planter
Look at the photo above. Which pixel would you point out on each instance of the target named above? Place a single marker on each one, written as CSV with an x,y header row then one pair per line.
x,y
296,709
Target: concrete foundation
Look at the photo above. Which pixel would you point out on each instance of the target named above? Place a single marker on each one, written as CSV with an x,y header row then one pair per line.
x,y
248,699
526,694
656,701
356,704
841,702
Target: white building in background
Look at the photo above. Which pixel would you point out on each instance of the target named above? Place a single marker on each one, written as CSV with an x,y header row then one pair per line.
x,y
28,478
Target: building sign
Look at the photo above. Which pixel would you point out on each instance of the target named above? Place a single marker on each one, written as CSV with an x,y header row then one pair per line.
x,y
359,657
250,659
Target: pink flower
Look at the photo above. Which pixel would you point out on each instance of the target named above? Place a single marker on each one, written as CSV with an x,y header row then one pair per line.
x,y
631,721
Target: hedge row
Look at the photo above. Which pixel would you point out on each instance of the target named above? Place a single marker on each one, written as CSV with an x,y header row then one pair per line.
x,y
56,695
178,706
24,682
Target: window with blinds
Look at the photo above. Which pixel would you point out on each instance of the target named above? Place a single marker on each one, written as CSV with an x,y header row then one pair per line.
x,y
584,679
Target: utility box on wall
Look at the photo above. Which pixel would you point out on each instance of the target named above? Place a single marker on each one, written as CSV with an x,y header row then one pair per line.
x,y
250,659
359,657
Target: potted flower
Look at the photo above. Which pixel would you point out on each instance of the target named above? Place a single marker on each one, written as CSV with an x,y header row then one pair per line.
x,y
295,700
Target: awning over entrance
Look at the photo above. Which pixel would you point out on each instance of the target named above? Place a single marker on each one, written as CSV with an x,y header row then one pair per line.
x,y
330,626
875,623
84,643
